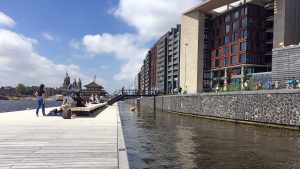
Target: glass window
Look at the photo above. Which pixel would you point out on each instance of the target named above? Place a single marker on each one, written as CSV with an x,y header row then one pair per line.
x,y
243,46
227,18
220,42
233,59
220,21
234,48
226,50
236,15
227,28
246,34
243,11
235,26
234,37
217,52
244,22
250,22
243,57
216,62
226,40
226,61
218,31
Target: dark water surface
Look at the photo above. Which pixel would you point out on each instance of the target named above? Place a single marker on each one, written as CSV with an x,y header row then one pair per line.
x,y
156,139
16,105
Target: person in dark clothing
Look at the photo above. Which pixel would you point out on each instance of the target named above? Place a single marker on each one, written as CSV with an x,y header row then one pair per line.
x,y
179,90
79,101
40,93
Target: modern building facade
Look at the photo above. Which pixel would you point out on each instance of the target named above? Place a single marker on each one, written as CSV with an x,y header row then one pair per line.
x,y
173,59
233,34
286,64
142,79
153,51
161,67
147,70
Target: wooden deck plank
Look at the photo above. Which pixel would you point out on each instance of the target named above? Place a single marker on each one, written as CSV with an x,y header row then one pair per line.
x,y
27,141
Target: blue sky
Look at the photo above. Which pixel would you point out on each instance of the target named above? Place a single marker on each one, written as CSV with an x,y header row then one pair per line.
x,y
41,40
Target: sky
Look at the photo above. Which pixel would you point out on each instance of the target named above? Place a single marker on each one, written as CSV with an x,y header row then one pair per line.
x,y
41,40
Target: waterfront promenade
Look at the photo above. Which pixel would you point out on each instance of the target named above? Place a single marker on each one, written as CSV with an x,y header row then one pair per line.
x,y
27,141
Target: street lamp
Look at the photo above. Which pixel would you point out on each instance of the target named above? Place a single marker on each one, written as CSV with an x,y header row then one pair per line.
x,y
185,87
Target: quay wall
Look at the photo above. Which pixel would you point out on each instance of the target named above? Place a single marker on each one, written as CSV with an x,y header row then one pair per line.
x,y
279,107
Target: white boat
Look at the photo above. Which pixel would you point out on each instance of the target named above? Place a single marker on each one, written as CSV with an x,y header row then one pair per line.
x,y
59,97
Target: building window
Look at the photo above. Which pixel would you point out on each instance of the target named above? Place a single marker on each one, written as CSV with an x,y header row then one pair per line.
x,y
244,22
235,26
244,58
236,15
234,37
216,62
246,34
243,46
234,48
220,42
217,52
220,20
206,75
233,59
218,31
226,61
226,40
243,11
227,28
227,18
226,50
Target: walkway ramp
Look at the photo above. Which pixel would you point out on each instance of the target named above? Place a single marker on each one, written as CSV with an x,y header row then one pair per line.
x,y
27,141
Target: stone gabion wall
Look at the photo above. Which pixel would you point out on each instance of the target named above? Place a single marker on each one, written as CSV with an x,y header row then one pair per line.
x,y
274,107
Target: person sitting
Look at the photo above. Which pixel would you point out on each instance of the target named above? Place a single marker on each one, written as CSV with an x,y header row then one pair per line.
x,y
67,102
79,101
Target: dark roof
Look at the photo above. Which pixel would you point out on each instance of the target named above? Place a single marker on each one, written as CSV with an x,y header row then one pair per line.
x,y
93,84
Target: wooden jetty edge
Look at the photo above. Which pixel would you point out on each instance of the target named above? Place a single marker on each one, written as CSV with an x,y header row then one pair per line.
x,y
27,141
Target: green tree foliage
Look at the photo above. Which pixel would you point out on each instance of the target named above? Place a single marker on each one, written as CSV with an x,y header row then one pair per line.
x,y
228,79
247,75
218,80
20,89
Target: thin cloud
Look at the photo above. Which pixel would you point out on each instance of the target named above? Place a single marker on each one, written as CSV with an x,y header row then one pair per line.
x,y
50,37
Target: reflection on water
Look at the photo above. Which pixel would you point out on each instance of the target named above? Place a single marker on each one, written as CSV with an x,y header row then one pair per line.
x,y
17,105
156,139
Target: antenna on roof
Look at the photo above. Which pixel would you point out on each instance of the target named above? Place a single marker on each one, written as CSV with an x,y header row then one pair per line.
x,y
95,78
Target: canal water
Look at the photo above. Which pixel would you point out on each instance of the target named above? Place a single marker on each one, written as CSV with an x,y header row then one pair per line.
x,y
156,139
17,105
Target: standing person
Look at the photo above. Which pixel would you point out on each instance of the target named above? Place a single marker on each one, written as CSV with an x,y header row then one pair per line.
x,y
268,84
179,90
40,93
294,83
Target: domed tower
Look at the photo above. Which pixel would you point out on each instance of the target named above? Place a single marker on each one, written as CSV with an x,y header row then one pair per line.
x,y
75,84
79,85
66,81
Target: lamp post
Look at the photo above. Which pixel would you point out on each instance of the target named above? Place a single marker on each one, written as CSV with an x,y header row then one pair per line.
x,y
185,87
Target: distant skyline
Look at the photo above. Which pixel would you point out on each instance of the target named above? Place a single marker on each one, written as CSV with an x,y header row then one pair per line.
x,y
42,40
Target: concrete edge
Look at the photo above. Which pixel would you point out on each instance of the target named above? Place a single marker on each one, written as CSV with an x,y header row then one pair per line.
x,y
281,91
122,152
234,121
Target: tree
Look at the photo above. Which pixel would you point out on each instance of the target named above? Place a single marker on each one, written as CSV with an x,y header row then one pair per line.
x,y
246,77
228,79
20,89
218,80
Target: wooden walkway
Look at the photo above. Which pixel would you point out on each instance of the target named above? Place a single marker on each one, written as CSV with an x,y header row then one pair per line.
x,y
27,141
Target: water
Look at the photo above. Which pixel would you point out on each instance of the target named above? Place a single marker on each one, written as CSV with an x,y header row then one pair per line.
x,y
156,139
17,105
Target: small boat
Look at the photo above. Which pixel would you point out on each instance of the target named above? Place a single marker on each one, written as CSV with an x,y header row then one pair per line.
x,y
59,97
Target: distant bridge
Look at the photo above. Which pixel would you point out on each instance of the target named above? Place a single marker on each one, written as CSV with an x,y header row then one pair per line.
x,y
123,94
